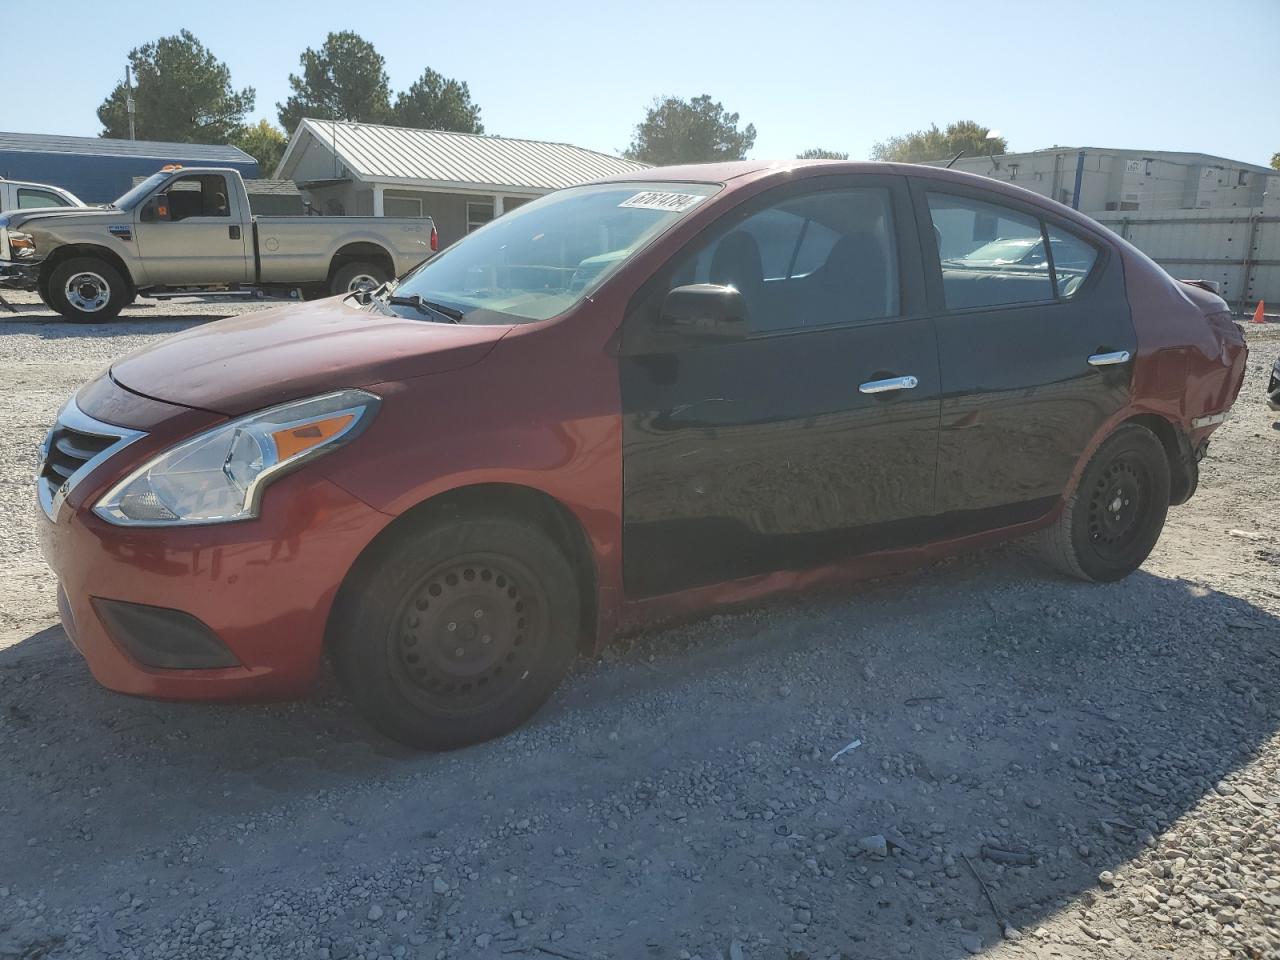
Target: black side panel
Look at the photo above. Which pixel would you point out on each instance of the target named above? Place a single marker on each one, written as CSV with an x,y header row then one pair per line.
x,y
1020,400
762,455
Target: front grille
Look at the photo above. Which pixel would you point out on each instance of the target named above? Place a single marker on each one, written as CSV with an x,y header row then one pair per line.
x,y
74,445
67,450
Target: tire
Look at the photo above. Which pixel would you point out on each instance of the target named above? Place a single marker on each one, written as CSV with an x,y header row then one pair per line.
x,y
423,674
88,290
357,274
1112,520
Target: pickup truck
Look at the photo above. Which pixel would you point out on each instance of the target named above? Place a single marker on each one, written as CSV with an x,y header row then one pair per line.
x,y
192,231
21,195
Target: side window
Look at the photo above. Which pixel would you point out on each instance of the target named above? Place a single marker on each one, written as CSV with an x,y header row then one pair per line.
x,y
990,255
28,198
811,260
198,196
1072,260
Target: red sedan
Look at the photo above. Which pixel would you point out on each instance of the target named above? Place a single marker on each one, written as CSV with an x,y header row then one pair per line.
x,y
680,389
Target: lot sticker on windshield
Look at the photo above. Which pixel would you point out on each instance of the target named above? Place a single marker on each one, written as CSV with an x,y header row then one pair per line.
x,y
657,200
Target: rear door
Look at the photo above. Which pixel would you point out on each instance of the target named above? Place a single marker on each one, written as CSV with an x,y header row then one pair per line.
x,y
192,233
816,436
1035,341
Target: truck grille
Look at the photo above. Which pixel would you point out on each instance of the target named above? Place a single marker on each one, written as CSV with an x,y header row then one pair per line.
x,y
75,444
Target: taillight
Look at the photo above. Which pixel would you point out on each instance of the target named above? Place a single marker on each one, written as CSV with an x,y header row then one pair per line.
x,y
435,239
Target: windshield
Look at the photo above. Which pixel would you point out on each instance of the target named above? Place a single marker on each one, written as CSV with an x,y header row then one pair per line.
x,y
131,198
542,258
1003,251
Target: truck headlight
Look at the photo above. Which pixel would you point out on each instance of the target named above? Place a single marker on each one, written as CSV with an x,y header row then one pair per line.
x,y
218,476
21,246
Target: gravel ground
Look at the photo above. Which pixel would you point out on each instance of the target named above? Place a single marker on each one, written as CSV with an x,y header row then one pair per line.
x,y
1047,768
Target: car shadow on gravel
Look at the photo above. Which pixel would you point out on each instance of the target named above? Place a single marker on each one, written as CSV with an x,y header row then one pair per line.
x,y
1045,730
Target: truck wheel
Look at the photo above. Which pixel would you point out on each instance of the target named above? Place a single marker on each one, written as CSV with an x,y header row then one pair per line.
x,y
356,276
1112,521
87,290
456,632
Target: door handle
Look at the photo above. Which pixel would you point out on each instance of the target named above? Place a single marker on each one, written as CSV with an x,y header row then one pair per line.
x,y
1109,359
233,232
889,385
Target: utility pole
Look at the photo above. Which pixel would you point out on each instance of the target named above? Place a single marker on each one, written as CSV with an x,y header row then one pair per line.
x,y
128,101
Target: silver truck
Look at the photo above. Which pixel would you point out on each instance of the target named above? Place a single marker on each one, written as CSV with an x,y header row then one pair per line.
x,y
191,231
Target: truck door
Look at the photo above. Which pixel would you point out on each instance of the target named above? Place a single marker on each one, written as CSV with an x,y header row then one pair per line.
x,y
192,232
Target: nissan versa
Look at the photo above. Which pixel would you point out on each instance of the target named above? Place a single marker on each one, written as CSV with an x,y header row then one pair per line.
x,y
639,398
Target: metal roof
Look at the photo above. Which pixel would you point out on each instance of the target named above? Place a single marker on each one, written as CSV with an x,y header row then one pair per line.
x,y
439,157
106,147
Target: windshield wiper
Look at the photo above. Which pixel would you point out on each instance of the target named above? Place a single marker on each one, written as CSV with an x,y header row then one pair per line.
x,y
426,307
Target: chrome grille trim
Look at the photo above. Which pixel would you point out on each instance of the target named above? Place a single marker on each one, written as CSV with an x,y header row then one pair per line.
x,y
72,418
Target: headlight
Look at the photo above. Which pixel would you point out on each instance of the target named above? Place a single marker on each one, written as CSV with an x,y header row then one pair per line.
x,y
21,246
219,476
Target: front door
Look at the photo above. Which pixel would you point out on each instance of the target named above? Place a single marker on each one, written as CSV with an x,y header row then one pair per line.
x,y
1036,341
191,233
813,438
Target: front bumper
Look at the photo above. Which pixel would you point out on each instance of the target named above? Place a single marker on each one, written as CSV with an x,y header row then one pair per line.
x,y
19,274
217,612
261,590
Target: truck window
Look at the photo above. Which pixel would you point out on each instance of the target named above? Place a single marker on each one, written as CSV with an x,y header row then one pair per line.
x,y
202,195
28,198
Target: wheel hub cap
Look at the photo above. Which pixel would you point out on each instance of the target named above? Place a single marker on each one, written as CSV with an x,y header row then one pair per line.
x,y
88,292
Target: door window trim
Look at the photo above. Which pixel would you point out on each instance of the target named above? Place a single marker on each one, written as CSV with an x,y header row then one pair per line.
x,y
911,270
921,187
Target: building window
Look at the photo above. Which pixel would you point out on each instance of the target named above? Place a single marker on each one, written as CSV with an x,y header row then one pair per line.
x,y
479,212
401,206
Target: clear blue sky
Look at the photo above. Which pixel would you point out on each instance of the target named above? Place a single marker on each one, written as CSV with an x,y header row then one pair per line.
x,y
1167,75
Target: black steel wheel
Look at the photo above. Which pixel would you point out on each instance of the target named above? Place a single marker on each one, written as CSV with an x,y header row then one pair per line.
x,y
455,633
1111,522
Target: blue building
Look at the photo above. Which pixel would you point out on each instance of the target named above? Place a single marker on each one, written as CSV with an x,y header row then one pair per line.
x,y
98,170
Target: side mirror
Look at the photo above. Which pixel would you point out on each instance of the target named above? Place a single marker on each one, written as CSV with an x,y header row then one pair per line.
x,y
706,311
155,209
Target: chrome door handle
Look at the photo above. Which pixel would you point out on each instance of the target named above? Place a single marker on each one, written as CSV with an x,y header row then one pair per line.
x,y
1108,359
890,385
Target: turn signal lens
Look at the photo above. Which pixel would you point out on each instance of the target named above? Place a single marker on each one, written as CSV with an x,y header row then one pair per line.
x,y
291,442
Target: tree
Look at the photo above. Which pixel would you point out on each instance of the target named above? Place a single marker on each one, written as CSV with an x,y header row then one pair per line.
x,y
689,131
817,153
935,144
435,102
346,79
182,92
1275,161
265,143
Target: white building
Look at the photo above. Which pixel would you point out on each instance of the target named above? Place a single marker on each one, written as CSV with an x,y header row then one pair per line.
x,y
1128,180
460,180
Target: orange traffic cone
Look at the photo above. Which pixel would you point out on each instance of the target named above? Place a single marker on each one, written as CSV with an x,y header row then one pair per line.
x,y
1257,314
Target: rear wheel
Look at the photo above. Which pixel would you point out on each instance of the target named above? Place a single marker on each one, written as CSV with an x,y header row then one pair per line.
x,y
457,632
87,290
356,276
1112,521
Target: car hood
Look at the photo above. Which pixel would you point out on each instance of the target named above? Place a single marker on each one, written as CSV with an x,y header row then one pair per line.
x,y
16,219
253,361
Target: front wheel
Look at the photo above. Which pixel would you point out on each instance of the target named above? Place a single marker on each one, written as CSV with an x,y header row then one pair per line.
x,y
1112,521
356,277
87,290
457,632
